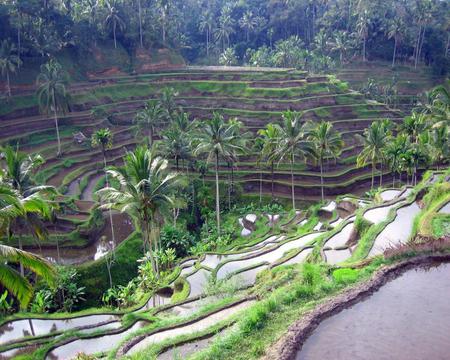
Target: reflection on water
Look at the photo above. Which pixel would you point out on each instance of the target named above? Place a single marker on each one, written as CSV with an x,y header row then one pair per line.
x,y
378,214
341,238
408,318
389,195
15,330
445,209
337,256
397,231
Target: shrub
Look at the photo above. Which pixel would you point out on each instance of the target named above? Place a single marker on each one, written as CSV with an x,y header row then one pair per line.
x,y
175,238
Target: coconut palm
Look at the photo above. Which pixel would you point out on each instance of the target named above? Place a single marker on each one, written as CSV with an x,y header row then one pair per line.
x,y
218,139
325,142
270,137
114,20
167,101
52,93
9,62
340,44
147,188
175,145
440,144
362,28
206,24
148,118
395,148
414,125
374,140
104,139
413,158
224,30
292,142
248,23
395,31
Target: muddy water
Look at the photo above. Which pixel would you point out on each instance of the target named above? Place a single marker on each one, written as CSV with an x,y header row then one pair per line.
x,y
445,209
397,231
407,319
200,325
93,345
389,195
341,238
71,256
336,256
15,330
378,214
270,256
198,281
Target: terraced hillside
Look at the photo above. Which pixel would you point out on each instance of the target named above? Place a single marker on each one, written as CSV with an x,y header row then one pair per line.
x,y
347,232
255,97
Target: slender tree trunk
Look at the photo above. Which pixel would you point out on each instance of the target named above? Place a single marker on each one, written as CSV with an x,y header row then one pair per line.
x,y
447,46
140,24
393,179
114,34
321,177
364,49
217,196
421,44
8,85
272,171
55,116
416,49
395,51
381,173
19,48
22,271
30,322
373,174
207,43
260,186
108,267
292,182
113,236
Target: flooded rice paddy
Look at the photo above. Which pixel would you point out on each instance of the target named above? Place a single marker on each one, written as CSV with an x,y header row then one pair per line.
x,y
407,319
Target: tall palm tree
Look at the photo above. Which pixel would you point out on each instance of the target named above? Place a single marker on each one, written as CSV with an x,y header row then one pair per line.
x,y
224,30
292,142
396,147
440,144
325,142
217,139
148,118
206,24
114,20
340,44
248,23
270,137
104,139
175,145
374,140
147,188
34,205
52,93
396,31
362,28
414,125
9,62
167,101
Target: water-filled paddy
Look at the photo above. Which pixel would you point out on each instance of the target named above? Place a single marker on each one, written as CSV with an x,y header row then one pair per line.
x,y
408,318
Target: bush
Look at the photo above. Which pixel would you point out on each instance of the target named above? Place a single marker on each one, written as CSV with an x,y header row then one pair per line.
x,y
345,276
176,238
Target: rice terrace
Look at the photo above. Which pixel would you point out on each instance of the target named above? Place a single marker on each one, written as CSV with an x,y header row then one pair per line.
x,y
224,179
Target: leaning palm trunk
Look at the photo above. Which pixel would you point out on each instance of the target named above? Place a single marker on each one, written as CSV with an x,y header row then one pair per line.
x,y
55,116
217,196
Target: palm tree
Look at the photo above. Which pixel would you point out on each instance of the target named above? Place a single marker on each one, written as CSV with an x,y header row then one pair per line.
x,y
104,139
248,23
270,136
206,24
440,144
175,145
340,44
362,28
167,101
52,93
325,142
9,62
146,192
291,142
148,118
414,125
163,7
224,30
217,139
395,148
114,20
395,31
34,206
374,139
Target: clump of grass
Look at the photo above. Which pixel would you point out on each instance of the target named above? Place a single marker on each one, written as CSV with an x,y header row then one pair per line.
x,y
345,276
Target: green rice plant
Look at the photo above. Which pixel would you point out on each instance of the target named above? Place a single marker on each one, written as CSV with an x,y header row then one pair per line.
x,y
345,276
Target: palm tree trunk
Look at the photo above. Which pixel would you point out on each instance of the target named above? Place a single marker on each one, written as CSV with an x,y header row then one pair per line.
x,y
364,49
395,51
8,85
447,46
393,179
292,182
260,186
217,196
114,34
373,174
416,50
22,271
55,116
381,173
271,165
140,24
113,236
321,177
